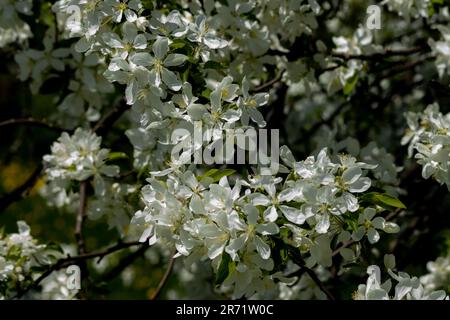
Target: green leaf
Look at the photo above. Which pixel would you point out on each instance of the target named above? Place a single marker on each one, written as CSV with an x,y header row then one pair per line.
x,y
177,44
334,84
214,65
389,261
217,174
209,173
226,268
113,156
147,4
350,85
206,93
143,172
383,200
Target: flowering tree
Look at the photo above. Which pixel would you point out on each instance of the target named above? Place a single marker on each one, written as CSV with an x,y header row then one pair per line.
x,y
138,98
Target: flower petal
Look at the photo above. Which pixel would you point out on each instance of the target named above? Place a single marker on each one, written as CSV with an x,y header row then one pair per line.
x,y
160,48
174,59
170,79
262,248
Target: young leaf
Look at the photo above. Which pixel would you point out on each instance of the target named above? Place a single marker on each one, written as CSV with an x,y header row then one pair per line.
x,y
216,174
225,269
113,156
350,85
383,200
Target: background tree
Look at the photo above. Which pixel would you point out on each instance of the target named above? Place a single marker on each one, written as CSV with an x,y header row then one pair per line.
x,y
94,96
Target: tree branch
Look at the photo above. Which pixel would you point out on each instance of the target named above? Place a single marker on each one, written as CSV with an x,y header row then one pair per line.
x,y
81,245
65,262
322,122
298,260
107,251
389,217
105,123
403,67
81,218
165,278
379,55
319,283
32,122
125,262
20,191
344,245
270,83
102,126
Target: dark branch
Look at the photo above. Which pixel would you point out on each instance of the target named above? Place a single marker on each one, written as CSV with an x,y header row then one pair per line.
x,y
20,191
32,122
319,283
81,218
270,83
105,123
104,253
81,245
125,262
403,68
65,262
389,217
328,121
344,245
379,55
294,254
165,278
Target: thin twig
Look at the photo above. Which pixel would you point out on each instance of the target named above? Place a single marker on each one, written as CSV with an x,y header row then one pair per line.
x,y
389,217
104,253
32,122
81,218
165,278
319,124
344,245
125,262
379,55
299,273
404,67
21,190
270,83
105,123
298,260
65,262
319,283
81,245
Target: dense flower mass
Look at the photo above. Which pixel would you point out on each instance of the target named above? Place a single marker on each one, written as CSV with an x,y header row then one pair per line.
x,y
407,288
185,95
20,254
429,137
78,157
241,222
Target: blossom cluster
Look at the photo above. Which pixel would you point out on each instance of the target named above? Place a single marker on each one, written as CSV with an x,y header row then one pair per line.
x,y
239,223
79,157
409,8
346,76
438,276
12,28
20,257
429,138
441,49
407,287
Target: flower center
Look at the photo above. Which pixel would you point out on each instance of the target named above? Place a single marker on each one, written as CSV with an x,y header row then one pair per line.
x,y
122,6
251,103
